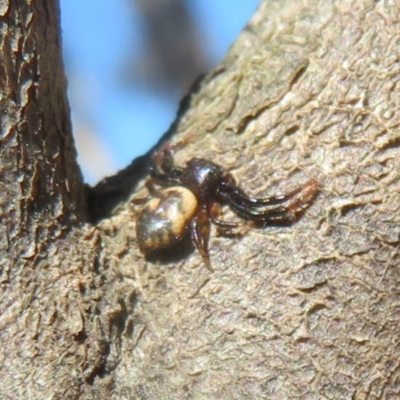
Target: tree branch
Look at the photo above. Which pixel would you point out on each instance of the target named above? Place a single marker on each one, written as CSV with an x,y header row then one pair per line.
x,y
308,311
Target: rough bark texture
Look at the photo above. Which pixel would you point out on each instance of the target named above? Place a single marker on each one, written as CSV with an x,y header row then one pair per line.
x,y
302,312
47,261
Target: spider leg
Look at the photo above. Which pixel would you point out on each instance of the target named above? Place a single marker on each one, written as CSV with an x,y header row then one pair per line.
x,y
163,159
239,196
167,179
228,228
281,213
150,188
163,170
214,212
140,200
297,207
200,234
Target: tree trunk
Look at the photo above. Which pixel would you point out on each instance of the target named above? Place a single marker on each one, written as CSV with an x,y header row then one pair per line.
x,y
308,311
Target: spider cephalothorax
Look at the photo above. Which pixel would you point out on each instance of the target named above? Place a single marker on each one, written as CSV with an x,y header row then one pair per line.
x,y
190,198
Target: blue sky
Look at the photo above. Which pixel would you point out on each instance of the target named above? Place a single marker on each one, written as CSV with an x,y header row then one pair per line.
x,y
114,123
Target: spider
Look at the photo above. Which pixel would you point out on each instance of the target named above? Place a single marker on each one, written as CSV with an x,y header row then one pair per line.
x,y
191,198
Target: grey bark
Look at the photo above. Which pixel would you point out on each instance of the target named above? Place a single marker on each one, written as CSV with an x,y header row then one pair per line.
x,y
310,311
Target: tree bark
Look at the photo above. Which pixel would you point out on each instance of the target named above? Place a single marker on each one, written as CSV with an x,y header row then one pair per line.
x,y
309,311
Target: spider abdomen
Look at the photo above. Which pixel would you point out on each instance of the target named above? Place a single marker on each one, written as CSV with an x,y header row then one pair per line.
x,y
164,220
